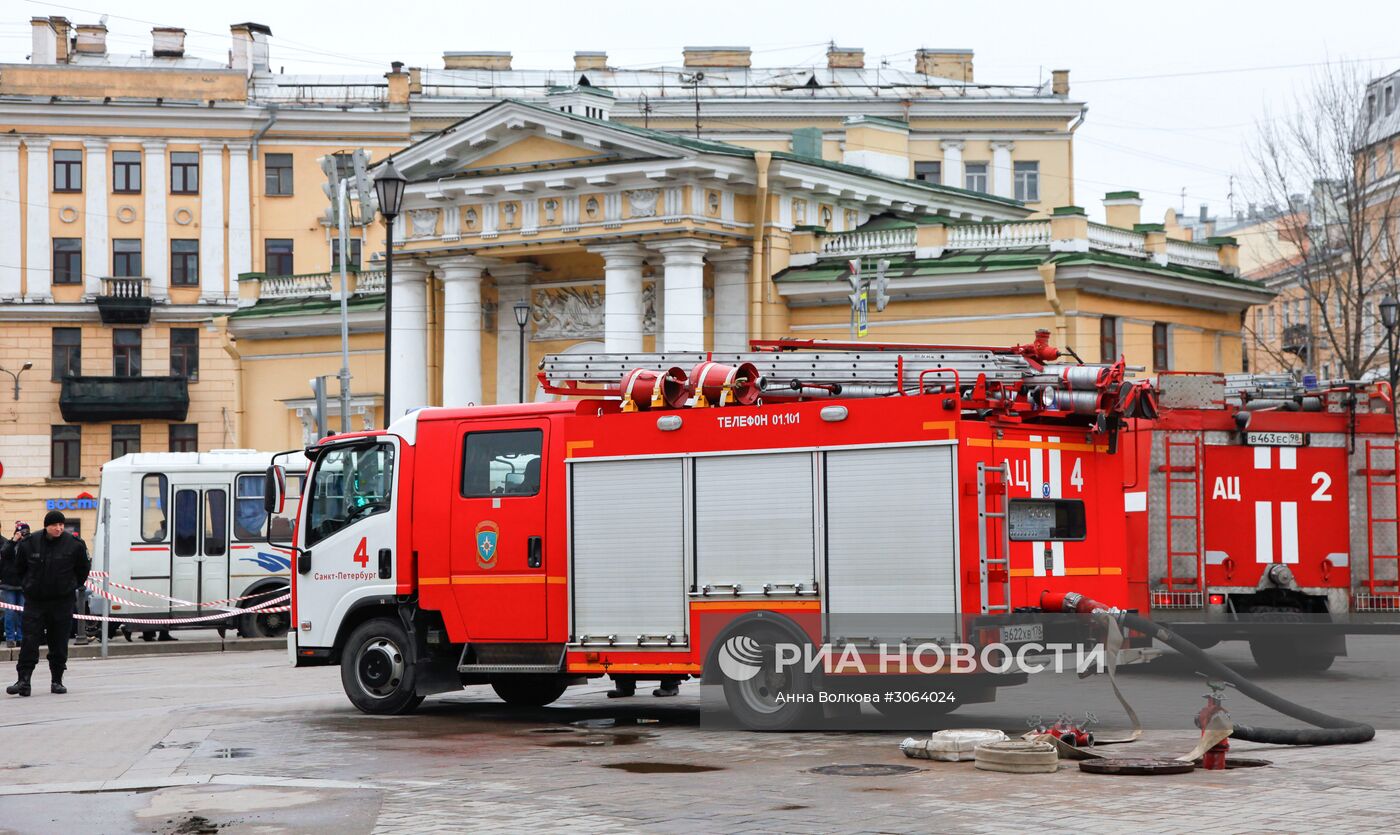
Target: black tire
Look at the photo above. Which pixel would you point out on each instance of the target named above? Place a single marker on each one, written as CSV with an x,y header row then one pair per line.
x,y
1276,657
768,699
268,625
376,669
525,690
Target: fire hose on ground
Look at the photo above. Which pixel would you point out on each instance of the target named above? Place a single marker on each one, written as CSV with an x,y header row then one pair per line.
x,y
1326,730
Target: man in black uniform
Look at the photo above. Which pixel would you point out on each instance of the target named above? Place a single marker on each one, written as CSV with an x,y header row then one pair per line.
x,y
51,567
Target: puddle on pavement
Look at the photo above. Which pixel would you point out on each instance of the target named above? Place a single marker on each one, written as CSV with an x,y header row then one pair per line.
x,y
790,807
661,768
231,753
600,740
864,770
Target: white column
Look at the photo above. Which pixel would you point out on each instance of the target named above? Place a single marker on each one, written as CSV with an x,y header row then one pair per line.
x,y
623,311
409,381
240,226
9,218
731,268
685,292
97,243
461,328
1001,168
952,162
512,286
156,250
211,223
38,249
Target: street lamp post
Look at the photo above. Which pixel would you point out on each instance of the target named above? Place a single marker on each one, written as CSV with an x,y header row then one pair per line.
x,y
389,187
15,375
522,317
1390,313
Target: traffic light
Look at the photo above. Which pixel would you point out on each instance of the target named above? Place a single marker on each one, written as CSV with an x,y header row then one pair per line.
x,y
882,283
856,280
318,389
331,188
364,187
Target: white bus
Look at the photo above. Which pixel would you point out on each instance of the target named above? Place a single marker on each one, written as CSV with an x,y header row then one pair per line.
x,y
191,526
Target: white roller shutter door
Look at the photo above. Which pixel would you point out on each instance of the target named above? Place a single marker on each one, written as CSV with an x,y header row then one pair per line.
x,y
628,555
754,521
891,532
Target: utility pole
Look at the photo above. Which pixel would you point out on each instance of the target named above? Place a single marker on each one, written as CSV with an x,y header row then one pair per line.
x,y
342,210
694,79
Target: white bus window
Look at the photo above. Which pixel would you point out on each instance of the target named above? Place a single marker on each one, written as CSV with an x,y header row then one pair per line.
x,y
249,518
186,523
154,490
215,523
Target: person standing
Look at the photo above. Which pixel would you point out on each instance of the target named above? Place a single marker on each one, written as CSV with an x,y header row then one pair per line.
x,y
52,566
10,589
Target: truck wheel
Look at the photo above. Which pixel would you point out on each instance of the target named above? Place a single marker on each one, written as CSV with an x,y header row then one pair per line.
x,y
270,625
529,690
762,697
376,669
1276,657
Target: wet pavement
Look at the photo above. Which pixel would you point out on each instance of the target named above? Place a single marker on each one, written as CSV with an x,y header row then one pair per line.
x,y
240,742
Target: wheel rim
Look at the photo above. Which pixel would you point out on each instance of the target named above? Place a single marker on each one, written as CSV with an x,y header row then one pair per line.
x,y
762,692
379,668
273,622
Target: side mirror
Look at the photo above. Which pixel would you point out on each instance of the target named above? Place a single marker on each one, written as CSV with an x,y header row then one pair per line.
x,y
275,490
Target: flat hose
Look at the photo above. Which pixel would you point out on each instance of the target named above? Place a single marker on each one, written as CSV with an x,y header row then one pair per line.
x,y
1328,730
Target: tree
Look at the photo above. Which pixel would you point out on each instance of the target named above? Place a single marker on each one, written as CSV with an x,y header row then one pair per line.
x,y
1336,246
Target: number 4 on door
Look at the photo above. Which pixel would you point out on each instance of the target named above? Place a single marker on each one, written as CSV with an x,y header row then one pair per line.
x,y
362,553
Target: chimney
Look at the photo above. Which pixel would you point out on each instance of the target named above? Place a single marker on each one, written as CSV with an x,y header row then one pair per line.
x,y
476,60
249,51
718,56
61,44
590,61
92,39
415,80
955,64
45,48
1059,82
845,58
1123,209
398,83
168,42
1205,213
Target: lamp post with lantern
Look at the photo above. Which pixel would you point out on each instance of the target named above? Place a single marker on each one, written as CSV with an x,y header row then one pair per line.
x,y
389,188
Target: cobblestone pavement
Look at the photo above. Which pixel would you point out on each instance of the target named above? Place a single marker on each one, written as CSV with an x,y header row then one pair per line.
x,y
244,743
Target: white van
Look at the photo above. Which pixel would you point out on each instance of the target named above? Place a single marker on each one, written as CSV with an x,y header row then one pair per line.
x,y
191,526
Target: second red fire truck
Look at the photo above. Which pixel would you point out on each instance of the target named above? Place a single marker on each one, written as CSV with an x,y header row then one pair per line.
x,y
693,499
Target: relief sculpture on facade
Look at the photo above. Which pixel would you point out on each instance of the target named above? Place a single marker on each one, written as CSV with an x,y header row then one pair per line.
x,y
577,312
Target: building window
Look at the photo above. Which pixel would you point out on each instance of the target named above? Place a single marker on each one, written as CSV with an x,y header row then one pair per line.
x,y
277,175
1161,348
184,172
64,450
126,352
184,437
67,170
277,256
67,260
928,171
67,353
1108,339
975,176
126,438
184,353
1258,325
354,254
126,172
1027,176
184,262
126,257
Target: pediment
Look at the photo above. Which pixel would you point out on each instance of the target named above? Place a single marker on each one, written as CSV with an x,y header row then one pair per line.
x,y
514,136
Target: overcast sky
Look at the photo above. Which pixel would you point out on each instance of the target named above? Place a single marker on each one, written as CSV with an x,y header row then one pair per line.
x,y
1174,90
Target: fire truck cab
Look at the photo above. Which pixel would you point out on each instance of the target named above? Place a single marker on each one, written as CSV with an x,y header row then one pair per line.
x,y
1254,499
634,533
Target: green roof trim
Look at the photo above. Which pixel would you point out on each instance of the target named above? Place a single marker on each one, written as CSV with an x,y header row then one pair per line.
x,y
879,222
1222,240
308,306
810,227
1149,227
1122,195
1069,211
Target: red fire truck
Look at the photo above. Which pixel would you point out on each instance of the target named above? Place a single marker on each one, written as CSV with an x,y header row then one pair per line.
x,y
767,495
1254,501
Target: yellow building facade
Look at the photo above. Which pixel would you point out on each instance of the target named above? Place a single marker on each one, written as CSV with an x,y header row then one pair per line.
x,y
593,195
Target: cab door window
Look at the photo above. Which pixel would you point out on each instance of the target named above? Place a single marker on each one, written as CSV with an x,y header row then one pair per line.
x,y
502,463
350,484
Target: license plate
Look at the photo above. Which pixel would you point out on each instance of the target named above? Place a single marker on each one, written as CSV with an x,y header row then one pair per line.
x,y
1020,633
1273,438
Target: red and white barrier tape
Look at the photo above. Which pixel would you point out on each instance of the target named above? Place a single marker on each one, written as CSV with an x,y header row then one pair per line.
x,y
255,610
96,589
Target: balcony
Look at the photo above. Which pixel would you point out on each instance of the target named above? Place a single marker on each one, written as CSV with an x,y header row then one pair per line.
x,y
256,287
125,300
96,399
1295,340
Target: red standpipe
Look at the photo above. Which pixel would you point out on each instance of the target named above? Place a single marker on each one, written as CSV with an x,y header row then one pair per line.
x,y
1070,602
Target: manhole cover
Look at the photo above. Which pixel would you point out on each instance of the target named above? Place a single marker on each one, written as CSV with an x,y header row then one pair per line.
x,y
1135,765
864,770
